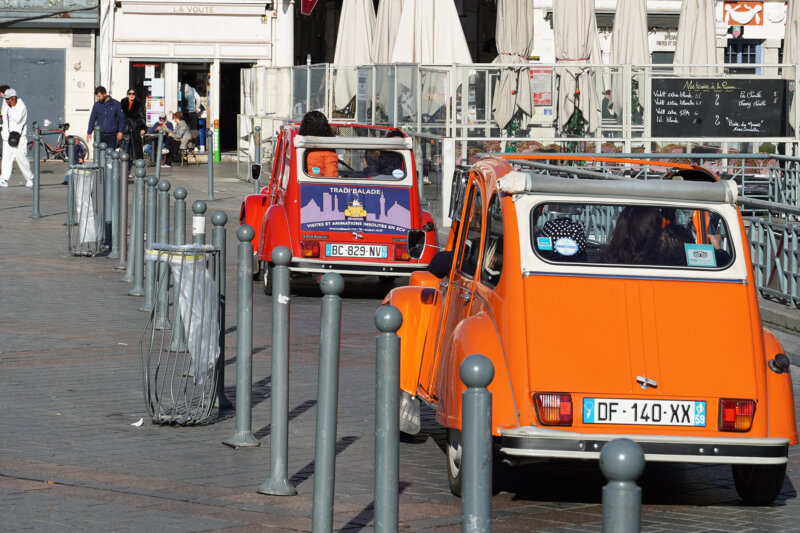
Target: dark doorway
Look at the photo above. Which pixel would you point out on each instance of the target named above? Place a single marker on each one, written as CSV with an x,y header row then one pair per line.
x,y
230,103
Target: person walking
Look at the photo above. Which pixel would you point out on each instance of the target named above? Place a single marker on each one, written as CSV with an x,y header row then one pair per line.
x,y
3,89
135,126
15,143
108,114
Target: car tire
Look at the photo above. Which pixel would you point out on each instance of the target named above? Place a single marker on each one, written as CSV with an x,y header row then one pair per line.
x,y
258,275
758,484
453,454
267,276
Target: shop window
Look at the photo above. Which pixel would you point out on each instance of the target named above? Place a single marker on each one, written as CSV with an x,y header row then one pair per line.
x,y
743,52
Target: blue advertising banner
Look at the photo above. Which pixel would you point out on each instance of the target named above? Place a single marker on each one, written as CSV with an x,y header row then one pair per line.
x,y
365,209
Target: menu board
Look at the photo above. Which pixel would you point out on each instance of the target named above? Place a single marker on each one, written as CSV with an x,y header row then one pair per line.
x,y
706,107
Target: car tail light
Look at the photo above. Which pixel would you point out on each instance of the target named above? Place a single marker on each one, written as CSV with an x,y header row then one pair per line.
x,y
309,248
553,408
401,252
736,415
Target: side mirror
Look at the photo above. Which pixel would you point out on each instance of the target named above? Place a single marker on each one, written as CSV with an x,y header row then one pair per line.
x,y
416,243
255,171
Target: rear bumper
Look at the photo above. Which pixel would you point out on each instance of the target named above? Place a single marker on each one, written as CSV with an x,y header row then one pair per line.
x,y
552,443
357,268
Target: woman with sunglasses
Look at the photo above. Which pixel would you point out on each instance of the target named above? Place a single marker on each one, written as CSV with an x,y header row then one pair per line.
x,y
135,126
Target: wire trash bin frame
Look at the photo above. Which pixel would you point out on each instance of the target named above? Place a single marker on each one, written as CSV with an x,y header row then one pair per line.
x,y
85,210
180,349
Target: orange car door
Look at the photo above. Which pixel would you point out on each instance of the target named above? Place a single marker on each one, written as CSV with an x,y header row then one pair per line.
x,y
460,285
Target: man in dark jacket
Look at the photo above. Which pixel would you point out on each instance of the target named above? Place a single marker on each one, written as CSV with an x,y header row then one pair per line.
x,y
108,114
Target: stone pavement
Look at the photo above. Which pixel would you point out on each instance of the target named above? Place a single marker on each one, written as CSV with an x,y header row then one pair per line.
x,y
70,388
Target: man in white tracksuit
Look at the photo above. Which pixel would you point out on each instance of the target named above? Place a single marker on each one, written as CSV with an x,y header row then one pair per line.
x,y
15,118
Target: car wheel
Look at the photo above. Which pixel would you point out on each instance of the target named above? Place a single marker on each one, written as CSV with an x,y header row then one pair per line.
x,y
267,275
258,272
758,484
453,448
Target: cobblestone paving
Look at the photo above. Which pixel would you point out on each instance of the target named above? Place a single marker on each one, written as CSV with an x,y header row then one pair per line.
x,y
70,388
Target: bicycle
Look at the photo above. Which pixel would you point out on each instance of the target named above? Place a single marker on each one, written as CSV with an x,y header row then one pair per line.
x,y
59,150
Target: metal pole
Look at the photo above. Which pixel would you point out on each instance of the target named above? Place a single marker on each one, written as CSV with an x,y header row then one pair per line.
x,y
157,155
70,193
243,436
149,238
327,402
102,194
387,418
622,462
278,483
96,141
257,138
210,152
36,171
122,210
162,234
136,204
476,373
114,184
199,222
218,239
178,343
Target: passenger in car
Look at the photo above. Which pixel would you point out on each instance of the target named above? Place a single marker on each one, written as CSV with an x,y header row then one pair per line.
x,y
634,226
666,246
319,162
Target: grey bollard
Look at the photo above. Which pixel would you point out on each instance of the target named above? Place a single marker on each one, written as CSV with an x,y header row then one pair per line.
x,y
257,140
151,203
243,435
199,222
70,187
113,184
137,233
122,211
36,170
157,155
388,320
162,236
278,483
476,372
178,343
128,266
622,462
102,197
327,403
218,239
210,152
96,141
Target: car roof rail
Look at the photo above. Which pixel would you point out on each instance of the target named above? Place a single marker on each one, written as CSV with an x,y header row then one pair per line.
x,y
333,143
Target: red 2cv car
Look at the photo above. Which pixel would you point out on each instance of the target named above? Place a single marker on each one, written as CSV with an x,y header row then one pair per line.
x,y
352,220
594,299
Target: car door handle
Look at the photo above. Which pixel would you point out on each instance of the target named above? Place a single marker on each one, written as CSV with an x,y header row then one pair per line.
x,y
465,296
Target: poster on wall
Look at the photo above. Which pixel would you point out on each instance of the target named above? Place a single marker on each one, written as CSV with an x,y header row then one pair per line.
x,y
542,85
327,207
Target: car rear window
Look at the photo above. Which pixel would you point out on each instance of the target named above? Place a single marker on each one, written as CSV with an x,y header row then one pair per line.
x,y
355,163
639,235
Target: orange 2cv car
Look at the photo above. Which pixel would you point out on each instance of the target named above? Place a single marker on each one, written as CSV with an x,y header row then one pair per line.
x,y
590,297
352,219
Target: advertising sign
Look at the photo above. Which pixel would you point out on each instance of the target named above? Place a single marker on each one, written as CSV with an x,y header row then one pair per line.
x,y
366,209
541,85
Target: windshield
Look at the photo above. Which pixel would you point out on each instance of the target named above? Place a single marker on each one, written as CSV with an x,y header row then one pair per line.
x,y
355,163
640,235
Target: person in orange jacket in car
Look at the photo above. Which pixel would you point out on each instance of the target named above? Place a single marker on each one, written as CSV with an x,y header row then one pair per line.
x,y
319,162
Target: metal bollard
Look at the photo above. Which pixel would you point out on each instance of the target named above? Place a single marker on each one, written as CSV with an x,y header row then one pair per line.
x,y
102,194
622,462
70,193
137,233
327,403
157,155
36,170
178,343
476,372
257,140
199,222
96,141
122,212
151,203
388,320
218,239
113,184
210,152
278,483
243,435
128,266
162,236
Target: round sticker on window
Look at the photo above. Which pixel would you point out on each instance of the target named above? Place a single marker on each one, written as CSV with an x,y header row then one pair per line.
x,y
566,246
397,173
315,170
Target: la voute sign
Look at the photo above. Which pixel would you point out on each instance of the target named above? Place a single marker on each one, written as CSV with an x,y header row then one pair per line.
x,y
307,6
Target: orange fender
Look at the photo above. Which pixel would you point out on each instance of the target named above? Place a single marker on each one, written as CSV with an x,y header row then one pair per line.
x,y
781,417
274,232
252,213
476,334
